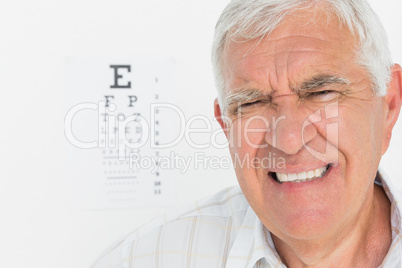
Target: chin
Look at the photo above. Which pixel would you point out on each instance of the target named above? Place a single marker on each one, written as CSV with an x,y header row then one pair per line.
x,y
307,228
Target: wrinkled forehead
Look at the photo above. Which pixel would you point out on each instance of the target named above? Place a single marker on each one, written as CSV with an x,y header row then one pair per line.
x,y
303,18
317,24
321,36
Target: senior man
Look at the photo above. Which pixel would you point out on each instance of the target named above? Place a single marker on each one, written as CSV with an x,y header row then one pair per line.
x,y
312,83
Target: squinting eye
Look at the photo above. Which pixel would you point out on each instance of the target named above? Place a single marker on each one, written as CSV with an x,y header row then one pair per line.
x,y
244,105
325,95
321,92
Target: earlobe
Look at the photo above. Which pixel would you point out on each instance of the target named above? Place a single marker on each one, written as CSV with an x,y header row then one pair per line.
x,y
393,103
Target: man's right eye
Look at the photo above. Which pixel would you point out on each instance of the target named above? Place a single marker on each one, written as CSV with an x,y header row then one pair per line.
x,y
248,104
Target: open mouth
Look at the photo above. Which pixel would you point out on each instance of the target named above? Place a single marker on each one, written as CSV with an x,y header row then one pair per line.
x,y
300,177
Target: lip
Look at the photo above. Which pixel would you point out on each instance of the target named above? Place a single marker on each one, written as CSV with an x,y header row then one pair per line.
x,y
295,186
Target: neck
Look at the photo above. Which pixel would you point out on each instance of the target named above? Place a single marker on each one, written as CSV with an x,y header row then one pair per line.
x,y
364,243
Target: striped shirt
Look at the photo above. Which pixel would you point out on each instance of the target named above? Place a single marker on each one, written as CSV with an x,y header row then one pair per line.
x,y
221,231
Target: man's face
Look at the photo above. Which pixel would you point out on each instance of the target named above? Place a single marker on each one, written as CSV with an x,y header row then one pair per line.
x,y
322,114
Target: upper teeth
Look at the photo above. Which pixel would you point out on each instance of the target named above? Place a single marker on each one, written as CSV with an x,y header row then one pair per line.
x,y
302,176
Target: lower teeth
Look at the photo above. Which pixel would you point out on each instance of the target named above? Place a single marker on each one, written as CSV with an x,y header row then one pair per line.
x,y
313,178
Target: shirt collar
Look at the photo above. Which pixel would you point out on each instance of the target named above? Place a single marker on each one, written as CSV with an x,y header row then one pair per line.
x,y
394,255
393,196
263,246
254,239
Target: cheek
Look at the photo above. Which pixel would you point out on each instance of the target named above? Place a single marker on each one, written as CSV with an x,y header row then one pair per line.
x,y
247,140
358,127
360,138
247,135
354,140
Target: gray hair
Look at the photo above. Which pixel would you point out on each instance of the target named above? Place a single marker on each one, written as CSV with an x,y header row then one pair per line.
x,y
250,19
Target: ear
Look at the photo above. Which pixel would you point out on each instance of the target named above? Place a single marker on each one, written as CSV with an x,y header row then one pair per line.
x,y
393,101
219,117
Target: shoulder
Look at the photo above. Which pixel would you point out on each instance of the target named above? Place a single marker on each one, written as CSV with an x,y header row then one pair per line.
x,y
202,230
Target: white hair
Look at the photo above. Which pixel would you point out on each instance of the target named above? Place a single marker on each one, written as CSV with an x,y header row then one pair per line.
x,y
250,19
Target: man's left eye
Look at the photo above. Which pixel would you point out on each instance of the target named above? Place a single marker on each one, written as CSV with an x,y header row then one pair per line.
x,y
324,95
321,92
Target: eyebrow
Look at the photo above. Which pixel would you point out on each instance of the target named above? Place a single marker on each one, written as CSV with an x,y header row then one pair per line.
x,y
319,81
249,94
243,95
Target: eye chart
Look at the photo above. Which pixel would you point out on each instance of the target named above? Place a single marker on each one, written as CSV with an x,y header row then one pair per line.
x,y
119,122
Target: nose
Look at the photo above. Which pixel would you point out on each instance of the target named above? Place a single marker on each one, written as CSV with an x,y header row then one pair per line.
x,y
291,129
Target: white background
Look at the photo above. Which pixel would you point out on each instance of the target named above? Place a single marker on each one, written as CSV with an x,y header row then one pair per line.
x,y
37,228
